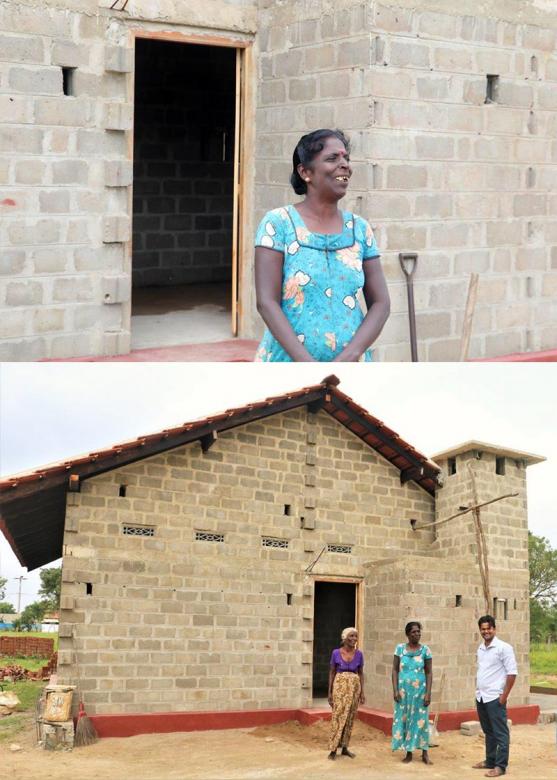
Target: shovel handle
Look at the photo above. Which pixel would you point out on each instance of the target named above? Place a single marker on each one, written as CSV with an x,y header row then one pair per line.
x,y
408,262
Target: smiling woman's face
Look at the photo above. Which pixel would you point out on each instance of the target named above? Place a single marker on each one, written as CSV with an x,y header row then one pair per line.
x,y
329,172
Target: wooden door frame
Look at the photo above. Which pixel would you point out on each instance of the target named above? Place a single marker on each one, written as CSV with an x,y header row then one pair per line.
x,y
244,110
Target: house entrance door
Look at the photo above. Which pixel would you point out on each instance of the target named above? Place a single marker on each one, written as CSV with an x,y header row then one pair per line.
x,y
187,125
335,608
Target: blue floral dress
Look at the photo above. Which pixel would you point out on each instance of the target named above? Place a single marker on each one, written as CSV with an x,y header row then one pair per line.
x,y
411,719
322,280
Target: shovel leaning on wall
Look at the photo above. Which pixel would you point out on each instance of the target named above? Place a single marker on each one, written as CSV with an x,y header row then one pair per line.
x,y
408,263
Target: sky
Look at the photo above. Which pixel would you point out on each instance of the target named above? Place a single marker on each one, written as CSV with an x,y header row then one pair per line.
x,y
52,411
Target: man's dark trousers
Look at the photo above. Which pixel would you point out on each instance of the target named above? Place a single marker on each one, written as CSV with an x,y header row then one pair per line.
x,y
493,720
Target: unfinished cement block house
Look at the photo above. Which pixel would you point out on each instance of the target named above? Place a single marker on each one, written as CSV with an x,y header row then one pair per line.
x,y
140,143
211,567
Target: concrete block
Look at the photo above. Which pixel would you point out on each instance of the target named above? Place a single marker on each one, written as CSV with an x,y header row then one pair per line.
x,y
70,172
36,81
48,320
116,229
547,716
118,173
24,293
118,59
302,89
68,54
13,323
49,260
116,343
470,728
67,112
520,95
29,172
409,55
12,261
406,177
320,58
116,289
54,201
19,49
72,289
118,116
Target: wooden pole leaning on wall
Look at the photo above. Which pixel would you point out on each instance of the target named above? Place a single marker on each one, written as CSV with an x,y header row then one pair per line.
x,y
469,316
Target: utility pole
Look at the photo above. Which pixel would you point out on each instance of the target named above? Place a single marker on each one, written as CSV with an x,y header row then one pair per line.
x,y
20,578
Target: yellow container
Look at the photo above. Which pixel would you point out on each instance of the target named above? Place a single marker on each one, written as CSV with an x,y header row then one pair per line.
x,y
58,706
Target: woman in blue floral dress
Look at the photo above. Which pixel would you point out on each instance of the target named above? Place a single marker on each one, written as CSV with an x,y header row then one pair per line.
x,y
412,678
314,263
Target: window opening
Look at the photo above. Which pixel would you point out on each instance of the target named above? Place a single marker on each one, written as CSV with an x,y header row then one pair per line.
x,y
458,601
122,491
287,510
68,81
89,588
492,89
451,466
289,599
500,466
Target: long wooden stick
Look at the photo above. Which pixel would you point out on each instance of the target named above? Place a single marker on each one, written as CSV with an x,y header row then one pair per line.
x,y
469,316
441,690
464,511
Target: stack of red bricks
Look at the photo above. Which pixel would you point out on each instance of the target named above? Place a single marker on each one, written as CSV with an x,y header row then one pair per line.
x,y
26,646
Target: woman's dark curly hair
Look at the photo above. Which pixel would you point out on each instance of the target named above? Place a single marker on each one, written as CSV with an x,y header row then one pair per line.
x,y
409,626
306,149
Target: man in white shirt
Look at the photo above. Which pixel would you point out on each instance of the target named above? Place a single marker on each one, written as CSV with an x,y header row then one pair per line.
x,y
495,677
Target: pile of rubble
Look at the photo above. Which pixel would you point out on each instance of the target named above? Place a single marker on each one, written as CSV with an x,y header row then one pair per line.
x,y
15,673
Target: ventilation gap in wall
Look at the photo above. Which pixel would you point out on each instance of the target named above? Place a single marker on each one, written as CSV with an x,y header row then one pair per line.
x,y
287,509
500,466
514,604
122,491
208,536
530,178
534,64
138,530
458,601
278,544
289,599
68,81
344,549
302,522
451,466
89,588
492,88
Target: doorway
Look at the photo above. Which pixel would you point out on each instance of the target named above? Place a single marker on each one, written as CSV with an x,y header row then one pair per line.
x,y
334,610
184,240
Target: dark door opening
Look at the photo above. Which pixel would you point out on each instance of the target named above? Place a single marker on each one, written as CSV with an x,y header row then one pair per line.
x,y
334,610
184,137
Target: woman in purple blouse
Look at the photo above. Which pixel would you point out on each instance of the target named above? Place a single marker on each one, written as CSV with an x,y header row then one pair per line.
x,y
346,691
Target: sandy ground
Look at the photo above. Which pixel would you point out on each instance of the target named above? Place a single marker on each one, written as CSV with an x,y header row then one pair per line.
x,y
285,751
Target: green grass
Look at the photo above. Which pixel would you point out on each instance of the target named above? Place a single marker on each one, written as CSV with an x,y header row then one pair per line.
x,y
543,659
32,662
27,691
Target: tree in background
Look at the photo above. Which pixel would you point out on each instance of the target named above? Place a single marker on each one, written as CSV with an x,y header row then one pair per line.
x,y
6,608
3,582
31,616
51,581
543,589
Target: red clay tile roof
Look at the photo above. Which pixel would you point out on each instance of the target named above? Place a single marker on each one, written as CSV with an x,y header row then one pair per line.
x,y
32,504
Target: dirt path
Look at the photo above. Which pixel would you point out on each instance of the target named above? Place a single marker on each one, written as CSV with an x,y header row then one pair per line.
x,y
285,752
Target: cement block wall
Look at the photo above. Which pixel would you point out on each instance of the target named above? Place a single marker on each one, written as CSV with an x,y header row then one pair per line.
x,y
66,166
470,186
178,624
165,622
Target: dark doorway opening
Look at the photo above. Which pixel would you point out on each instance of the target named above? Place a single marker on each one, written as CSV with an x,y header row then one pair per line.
x,y
334,610
184,136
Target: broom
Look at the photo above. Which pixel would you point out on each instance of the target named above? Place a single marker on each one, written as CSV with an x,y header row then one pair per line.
x,y
85,732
